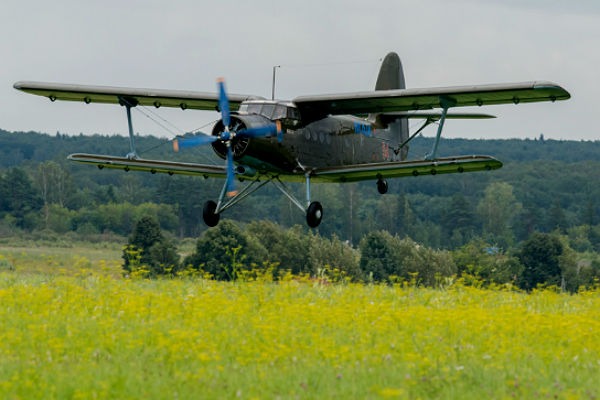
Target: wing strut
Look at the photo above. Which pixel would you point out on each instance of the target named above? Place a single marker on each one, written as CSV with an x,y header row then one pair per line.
x,y
427,122
128,103
446,103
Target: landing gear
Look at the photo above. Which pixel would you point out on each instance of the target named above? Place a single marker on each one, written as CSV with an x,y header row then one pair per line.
x,y
211,212
314,214
382,186
208,214
314,211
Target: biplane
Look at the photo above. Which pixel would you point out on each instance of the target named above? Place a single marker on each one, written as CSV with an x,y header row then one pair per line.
x,y
345,137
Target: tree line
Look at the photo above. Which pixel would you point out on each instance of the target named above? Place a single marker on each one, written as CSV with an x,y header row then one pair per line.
x,y
545,186
265,250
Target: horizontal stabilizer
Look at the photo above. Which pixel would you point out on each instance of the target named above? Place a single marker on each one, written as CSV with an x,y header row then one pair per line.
x,y
431,116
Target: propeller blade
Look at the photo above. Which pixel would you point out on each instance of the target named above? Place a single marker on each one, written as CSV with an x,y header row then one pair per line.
x,y
223,102
200,140
230,190
263,131
279,131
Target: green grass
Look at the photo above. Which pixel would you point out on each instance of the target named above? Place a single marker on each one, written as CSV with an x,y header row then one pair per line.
x,y
69,332
67,258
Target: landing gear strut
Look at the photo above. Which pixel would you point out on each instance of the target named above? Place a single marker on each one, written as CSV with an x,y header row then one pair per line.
x,y
314,211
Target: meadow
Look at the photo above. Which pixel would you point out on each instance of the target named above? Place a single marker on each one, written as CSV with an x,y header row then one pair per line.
x,y
80,330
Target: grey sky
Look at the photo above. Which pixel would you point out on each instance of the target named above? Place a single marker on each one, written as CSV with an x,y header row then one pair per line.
x,y
322,46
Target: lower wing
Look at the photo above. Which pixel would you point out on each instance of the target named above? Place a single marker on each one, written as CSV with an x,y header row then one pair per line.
x,y
152,166
399,169
350,173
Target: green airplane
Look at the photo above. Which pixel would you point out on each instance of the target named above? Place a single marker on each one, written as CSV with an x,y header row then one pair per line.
x,y
345,137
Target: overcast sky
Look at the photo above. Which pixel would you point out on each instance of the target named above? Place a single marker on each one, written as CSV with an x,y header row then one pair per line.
x,y
322,47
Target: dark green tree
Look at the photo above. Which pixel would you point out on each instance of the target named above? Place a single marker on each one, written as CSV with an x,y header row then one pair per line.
x,y
378,258
148,248
19,198
458,221
540,256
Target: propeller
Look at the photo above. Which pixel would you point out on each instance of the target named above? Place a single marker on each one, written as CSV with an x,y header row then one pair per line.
x,y
228,135
200,140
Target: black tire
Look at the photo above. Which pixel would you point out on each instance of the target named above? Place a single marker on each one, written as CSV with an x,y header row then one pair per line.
x,y
314,214
208,214
382,186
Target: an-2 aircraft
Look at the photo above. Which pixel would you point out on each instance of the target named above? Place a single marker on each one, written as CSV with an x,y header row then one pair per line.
x,y
345,137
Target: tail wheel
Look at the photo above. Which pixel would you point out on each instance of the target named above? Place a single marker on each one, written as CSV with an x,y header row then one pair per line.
x,y
208,213
382,186
314,214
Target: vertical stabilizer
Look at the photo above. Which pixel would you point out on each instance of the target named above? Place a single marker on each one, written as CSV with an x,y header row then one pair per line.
x,y
391,76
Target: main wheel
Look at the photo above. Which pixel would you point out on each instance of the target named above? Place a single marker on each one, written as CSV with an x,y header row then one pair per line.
x,y
208,213
314,214
382,186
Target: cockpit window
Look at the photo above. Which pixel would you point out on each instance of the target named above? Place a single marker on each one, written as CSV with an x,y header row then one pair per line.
x,y
254,108
292,113
280,112
272,111
267,110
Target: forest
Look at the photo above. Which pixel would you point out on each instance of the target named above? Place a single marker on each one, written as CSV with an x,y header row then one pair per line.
x,y
547,192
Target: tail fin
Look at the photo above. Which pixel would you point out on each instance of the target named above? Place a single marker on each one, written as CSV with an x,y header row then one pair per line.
x,y
391,76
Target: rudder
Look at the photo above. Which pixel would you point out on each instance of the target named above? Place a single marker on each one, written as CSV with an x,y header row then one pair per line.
x,y
391,76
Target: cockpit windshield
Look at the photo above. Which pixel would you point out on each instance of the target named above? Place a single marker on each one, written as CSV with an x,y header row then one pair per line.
x,y
271,110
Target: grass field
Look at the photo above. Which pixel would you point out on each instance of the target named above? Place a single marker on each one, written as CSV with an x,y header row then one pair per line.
x,y
92,334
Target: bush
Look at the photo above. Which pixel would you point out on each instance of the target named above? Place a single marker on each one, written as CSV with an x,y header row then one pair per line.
x,y
148,253
225,250
388,258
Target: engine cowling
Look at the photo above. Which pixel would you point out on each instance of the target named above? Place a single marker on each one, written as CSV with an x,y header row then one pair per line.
x,y
239,144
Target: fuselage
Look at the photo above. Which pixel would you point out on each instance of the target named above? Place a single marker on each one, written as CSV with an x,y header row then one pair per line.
x,y
331,141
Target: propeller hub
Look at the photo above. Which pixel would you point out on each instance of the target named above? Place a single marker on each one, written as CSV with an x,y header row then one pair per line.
x,y
226,135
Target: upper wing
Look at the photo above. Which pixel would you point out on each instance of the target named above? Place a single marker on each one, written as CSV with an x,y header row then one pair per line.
x,y
381,101
183,99
153,166
399,169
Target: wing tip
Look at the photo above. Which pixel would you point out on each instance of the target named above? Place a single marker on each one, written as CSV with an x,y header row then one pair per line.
x,y
559,92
